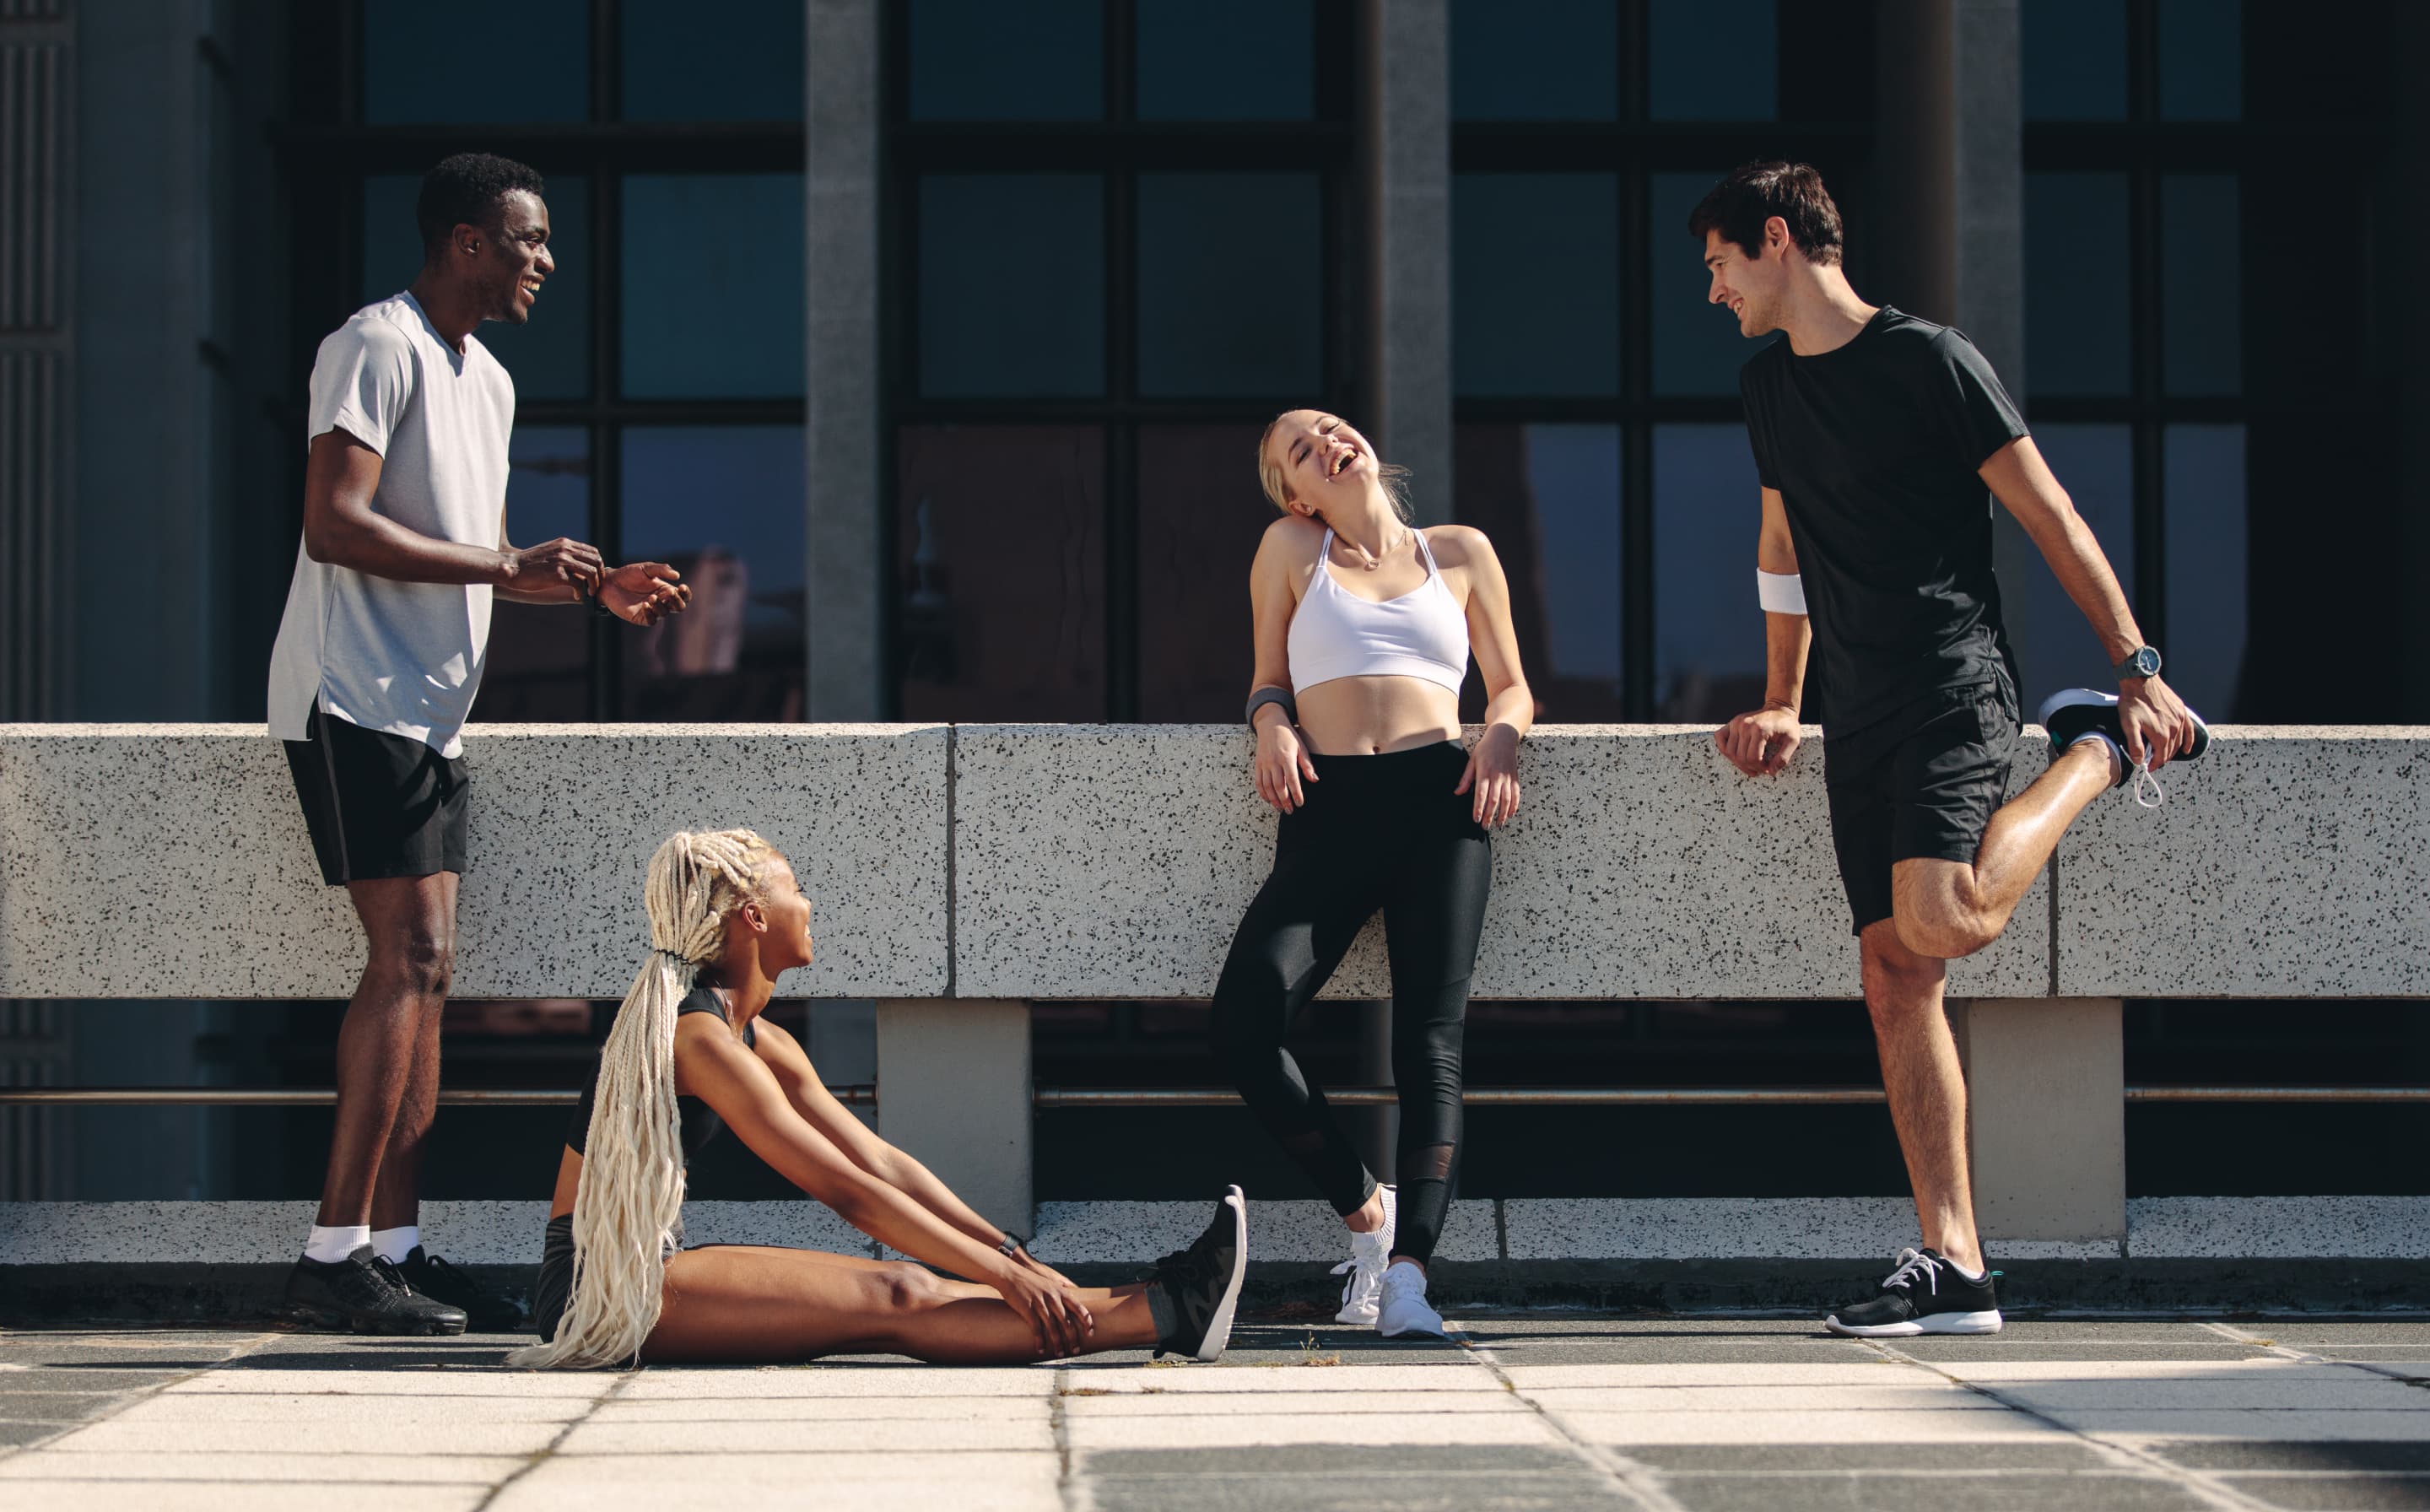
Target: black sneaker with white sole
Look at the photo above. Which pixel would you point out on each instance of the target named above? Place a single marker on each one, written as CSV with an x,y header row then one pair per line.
x,y
2073,713
1923,1294
363,1294
1202,1284
485,1311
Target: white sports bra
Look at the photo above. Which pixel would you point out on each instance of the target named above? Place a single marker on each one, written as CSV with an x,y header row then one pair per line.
x,y
1335,633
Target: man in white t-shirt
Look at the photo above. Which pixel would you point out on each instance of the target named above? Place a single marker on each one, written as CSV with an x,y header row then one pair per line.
x,y
378,657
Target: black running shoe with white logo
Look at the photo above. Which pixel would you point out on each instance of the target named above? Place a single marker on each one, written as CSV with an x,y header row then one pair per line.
x,y
485,1311
2073,713
363,1294
1203,1283
1923,1294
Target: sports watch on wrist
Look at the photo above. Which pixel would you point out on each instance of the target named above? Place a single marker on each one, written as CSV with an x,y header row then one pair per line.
x,y
1012,1244
2143,662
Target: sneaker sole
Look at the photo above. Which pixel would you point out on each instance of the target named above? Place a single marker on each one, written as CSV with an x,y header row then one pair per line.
x,y
322,1321
1349,1318
1410,1332
1939,1322
1219,1328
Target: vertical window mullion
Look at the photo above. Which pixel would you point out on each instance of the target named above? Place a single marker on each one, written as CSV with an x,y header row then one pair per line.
x,y
2143,231
1636,585
1121,178
606,381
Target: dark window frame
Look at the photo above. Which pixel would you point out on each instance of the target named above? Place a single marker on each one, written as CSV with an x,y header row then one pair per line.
x,y
1117,148
327,153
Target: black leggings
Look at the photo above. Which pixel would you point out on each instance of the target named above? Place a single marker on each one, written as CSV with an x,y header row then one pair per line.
x,y
1377,832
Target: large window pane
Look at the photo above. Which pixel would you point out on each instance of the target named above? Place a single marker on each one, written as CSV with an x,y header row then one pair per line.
x,y
743,65
2201,284
2202,59
1708,633
540,653
988,61
1230,287
549,356
2095,463
2075,59
1535,284
1548,497
2205,545
722,504
1000,557
1557,60
713,301
1712,62
1200,519
416,66
1241,60
2077,329
1697,348
1012,284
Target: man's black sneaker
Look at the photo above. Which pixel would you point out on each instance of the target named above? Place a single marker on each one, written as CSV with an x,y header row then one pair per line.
x,y
1923,1294
2073,713
1203,1283
363,1294
485,1311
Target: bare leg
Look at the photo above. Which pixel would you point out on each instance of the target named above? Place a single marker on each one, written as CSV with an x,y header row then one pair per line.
x,y
750,1302
1950,908
1091,1295
1926,1087
410,925
1369,1216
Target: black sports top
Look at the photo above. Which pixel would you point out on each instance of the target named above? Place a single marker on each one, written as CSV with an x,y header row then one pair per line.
x,y
696,1122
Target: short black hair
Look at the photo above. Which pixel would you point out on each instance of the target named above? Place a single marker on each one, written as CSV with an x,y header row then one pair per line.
x,y
464,190
1738,205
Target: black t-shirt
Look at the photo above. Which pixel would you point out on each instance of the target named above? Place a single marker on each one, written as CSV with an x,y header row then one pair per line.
x,y
697,1122
1875,449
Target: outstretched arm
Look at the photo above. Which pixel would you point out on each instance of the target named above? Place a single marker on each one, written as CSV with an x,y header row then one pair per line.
x,y
2155,722
342,475
1762,740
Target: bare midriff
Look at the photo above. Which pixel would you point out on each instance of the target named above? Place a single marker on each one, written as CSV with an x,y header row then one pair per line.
x,y
569,1181
1374,716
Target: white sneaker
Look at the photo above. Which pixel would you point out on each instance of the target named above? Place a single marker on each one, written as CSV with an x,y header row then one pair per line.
x,y
1404,1308
1369,1253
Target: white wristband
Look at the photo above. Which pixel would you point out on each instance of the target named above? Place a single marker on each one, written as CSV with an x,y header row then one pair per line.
x,y
1780,593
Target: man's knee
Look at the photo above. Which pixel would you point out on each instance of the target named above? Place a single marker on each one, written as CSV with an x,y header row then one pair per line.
x,y
1899,981
420,962
1945,929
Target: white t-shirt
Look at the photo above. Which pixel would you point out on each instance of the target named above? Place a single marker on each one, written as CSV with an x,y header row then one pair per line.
x,y
404,659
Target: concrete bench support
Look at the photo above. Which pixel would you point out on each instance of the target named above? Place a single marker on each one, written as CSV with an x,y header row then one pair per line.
x,y
2047,1084
952,1091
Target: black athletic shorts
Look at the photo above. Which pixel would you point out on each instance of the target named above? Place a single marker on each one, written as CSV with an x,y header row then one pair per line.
x,y
378,805
1923,782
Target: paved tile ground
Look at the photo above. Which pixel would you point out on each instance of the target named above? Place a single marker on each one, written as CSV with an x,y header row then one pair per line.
x,y
1540,1411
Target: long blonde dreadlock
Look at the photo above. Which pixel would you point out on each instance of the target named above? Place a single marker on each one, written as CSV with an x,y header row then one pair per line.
x,y
628,1214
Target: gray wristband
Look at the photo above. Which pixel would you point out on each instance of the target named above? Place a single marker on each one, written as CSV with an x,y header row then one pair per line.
x,y
1271,695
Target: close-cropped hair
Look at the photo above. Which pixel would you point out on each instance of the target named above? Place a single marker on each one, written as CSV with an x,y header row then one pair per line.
x,y
464,191
1738,205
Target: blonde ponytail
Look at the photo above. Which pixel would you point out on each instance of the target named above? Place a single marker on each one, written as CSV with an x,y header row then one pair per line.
x,y
628,1214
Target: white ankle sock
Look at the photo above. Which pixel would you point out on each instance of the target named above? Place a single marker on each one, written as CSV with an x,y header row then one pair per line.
x,y
330,1245
394,1244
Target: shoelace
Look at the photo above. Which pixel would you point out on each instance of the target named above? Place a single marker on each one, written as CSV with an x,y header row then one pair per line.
x,y
1913,1263
2143,779
390,1273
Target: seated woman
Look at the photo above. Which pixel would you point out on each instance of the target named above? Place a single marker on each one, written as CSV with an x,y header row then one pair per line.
x,y
688,1055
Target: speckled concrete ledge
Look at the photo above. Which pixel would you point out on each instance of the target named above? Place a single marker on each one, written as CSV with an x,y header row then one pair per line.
x,y
167,860
1116,861
1530,1230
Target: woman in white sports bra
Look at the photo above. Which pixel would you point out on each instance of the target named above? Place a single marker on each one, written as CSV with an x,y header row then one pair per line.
x,y
1364,628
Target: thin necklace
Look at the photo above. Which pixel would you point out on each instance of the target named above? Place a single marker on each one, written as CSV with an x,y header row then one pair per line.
x,y
1371,562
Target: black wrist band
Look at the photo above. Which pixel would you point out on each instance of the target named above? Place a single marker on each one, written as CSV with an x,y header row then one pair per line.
x,y
1263,696
593,600
1012,1244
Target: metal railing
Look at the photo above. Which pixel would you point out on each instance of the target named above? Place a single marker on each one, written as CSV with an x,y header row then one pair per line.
x,y
864,1094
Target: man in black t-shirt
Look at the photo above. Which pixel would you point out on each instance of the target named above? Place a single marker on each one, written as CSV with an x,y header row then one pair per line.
x,y
1880,440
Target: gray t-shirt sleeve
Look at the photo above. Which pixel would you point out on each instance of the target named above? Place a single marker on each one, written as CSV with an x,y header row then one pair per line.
x,y
1984,417
361,382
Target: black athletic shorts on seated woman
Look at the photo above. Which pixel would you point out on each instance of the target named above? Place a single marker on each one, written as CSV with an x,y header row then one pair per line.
x,y
1923,782
378,805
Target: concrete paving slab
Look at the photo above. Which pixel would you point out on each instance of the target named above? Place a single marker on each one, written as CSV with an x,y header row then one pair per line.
x,y
818,1409
320,1469
53,1406
2336,1493
46,1378
32,1431
2255,1368
1873,1369
1258,1430
495,1385
891,1380
1574,1490
1983,1350
2343,1456
1679,1351
1333,1406
1345,1377
1975,1493
328,1439
1623,1429
351,1408
244,1496
1917,1397
716,1435
2057,1454
2249,1423
733,1483
2356,1390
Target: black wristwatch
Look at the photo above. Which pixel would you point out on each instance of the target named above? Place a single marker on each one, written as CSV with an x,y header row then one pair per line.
x,y
2143,662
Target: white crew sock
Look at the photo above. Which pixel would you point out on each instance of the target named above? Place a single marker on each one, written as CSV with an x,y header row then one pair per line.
x,y
330,1245
394,1244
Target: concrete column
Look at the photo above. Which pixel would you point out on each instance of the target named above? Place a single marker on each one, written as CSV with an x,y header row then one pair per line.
x,y
2046,1083
847,557
1945,238
952,1090
1406,144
